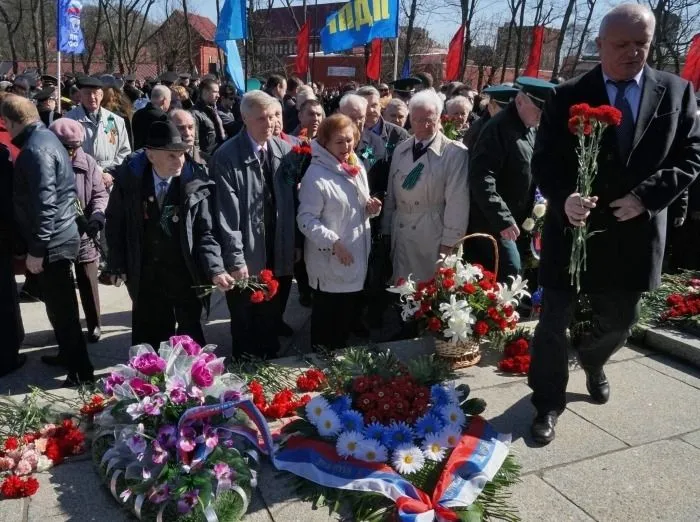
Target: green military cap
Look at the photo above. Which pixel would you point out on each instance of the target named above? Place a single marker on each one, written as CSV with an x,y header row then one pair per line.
x,y
535,89
502,94
168,77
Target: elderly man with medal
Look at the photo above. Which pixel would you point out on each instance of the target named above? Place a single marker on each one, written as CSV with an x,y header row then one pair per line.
x,y
160,238
427,203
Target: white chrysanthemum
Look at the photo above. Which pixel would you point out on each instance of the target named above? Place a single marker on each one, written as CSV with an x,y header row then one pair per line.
x,y
408,459
408,287
348,443
528,225
450,436
459,327
454,307
315,408
328,424
539,210
511,294
371,450
433,448
453,414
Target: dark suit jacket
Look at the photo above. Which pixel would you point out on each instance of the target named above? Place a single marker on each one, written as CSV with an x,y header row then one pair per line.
x,y
141,123
663,161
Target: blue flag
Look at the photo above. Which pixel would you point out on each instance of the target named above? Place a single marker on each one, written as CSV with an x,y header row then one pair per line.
x,y
232,22
234,67
406,70
70,35
359,22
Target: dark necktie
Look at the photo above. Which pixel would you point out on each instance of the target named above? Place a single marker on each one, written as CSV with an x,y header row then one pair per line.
x,y
418,150
625,131
162,191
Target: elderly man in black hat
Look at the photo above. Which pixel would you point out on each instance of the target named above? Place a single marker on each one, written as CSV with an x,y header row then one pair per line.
x,y
502,188
161,244
46,105
106,138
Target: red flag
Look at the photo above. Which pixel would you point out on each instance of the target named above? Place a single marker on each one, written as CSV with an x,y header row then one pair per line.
x,y
374,64
302,60
691,69
533,62
454,56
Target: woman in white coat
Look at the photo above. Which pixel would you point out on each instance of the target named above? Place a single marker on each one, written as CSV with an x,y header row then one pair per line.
x,y
334,211
427,204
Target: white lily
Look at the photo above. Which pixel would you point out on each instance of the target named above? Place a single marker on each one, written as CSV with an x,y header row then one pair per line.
x,y
511,294
454,307
459,327
468,274
409,309
407,288
448,261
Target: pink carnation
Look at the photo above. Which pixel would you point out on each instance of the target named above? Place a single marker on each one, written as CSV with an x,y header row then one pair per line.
x,y
6,463
143,388
201,374
187,343
148,364
24,467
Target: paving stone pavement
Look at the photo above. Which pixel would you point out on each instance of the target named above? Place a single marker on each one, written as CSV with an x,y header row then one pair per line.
x,y
633,459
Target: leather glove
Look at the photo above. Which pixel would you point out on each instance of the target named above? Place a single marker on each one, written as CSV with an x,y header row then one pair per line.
x,y
95,224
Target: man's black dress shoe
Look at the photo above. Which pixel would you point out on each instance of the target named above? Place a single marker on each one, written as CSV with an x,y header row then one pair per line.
x,y
543,427
16,365
597,385
54,360
94,335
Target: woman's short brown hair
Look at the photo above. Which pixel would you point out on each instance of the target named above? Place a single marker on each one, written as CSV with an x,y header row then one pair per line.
x,y
334,124
181,92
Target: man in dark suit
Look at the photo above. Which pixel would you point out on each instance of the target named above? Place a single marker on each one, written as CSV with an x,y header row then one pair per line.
x,y
256,219
643,166
156,110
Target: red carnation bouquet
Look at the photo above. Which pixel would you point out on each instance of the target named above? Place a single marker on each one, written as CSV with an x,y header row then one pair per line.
x,y
684,307
285,402
516,353
588,124
263,286
297,161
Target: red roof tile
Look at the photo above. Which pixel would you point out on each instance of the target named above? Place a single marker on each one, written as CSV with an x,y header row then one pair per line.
x,y
204,26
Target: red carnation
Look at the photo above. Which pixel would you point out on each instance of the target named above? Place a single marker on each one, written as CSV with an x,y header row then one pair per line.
x,y
257,297
15,487
11,443
481,328
469,288
266,276
434,324
448,284
607,114
580,109
272,288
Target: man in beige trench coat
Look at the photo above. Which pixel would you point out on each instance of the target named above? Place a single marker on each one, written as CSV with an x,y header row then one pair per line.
x,y
427,204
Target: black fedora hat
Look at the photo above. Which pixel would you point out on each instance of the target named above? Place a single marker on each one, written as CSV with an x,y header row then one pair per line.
x,y
163,135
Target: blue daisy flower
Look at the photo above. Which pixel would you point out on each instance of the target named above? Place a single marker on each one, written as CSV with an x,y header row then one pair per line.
x,y
341,404
352,420
428,423
439,395
398,434
375,431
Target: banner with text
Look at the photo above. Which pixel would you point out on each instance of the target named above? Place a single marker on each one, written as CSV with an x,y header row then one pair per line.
x,y
359,22
70,35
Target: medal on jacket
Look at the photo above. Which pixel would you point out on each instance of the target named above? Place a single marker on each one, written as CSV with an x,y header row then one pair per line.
x,y
169,213
413,177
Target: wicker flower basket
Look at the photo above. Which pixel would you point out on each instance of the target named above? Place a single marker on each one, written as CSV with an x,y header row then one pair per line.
x,y
463,354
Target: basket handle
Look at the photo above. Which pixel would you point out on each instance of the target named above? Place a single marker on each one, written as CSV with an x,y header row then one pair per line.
x,y
459,243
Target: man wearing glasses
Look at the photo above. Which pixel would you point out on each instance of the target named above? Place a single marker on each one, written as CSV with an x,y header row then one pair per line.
x,y
502,189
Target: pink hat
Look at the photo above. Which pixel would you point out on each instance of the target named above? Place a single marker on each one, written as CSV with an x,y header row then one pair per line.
x,y
70,132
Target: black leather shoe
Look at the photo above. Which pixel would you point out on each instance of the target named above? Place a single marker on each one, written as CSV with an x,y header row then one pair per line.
x,y
543,427
73,381
94,335
54,360
285,330
597,385
18,363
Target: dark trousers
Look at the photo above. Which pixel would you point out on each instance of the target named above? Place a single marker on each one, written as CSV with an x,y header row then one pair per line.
x,y
302,277
10,317
58,290
613,315
157,316
480,250
332,318
254,326
86,277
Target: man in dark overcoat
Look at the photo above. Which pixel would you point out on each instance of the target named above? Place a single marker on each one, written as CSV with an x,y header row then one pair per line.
x,y
160,237
643,166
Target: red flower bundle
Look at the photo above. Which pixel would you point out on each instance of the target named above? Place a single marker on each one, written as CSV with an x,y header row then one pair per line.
x,y
682,306
265,287
311,380
284,403
95,405
17,487
389,400
516,356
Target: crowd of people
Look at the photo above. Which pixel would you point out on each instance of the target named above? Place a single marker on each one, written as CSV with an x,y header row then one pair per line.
x,y
177,183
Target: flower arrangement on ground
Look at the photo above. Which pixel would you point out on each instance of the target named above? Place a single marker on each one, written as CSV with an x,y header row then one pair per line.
x,y
462,302
285,402
683,308
516,353
262,287
171,444
393,440
588,124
